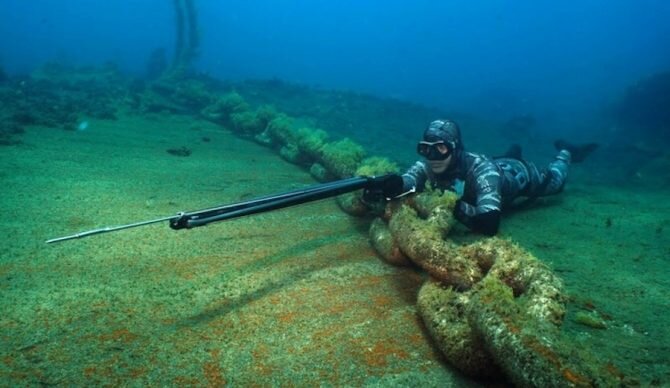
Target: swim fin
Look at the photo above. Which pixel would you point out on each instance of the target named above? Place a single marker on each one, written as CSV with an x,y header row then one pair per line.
x,y
513,152
579,152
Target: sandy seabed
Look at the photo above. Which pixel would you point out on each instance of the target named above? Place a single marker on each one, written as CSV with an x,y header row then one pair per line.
x,y
292,297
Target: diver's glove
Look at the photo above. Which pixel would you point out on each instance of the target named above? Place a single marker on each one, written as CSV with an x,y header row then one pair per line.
x,y
373,196
486,223
383,188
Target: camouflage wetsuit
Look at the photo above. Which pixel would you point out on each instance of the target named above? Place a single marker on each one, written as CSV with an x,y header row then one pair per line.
x,y
490,184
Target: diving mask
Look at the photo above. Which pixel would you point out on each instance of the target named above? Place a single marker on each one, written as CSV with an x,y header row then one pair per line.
x,y
434,150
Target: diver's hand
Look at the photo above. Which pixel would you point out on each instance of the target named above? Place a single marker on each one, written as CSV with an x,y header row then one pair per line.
x,y
383,188
373,196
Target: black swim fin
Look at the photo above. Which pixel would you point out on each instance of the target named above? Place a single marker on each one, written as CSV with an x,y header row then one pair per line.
x,y
514,152
579,152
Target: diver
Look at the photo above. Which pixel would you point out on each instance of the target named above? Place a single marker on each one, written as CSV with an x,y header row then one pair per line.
x,y
489,184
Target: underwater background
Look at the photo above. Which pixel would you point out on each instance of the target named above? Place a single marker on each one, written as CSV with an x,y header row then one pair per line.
x,y
113,113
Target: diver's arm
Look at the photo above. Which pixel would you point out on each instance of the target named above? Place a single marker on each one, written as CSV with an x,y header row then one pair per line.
x,y
414,180
483,216
481,221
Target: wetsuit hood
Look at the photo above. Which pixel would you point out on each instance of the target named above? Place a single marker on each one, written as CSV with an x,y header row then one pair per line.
x,y
446,131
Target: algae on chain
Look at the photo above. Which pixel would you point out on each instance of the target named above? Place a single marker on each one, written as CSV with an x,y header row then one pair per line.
x,y
223,107
342,157
311,141
542,290
424,243
383,242
443,311
377,166
529,350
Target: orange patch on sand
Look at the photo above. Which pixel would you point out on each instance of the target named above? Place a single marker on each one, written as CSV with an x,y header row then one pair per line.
x,y
137,372
220,327
336,309
4,269
212,371
8,360
261,354
90,371
614,371
383,301
416,339
377,356
123,335
370,280
99,305
213,375
287,317
326,336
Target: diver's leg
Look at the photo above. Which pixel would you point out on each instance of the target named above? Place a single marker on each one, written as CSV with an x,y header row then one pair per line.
x,y
549,180
556,173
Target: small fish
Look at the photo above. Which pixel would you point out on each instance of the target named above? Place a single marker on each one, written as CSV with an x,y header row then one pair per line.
x,y
82,126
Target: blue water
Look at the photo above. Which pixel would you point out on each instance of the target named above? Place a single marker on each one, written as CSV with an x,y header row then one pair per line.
x,y
490,58
85,145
